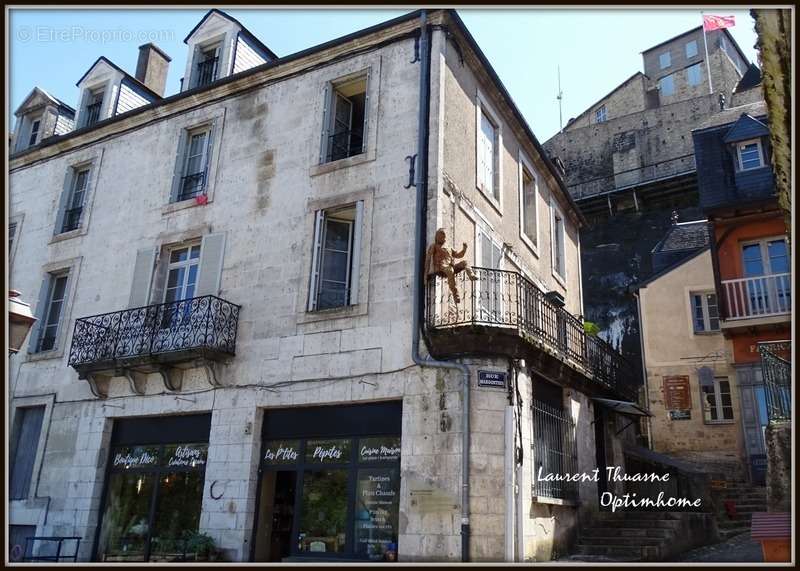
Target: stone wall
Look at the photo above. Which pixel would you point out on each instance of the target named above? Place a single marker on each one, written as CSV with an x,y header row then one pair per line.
x,y
778,436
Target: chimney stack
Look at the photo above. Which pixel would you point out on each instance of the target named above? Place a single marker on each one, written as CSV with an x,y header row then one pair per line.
x,y
152,67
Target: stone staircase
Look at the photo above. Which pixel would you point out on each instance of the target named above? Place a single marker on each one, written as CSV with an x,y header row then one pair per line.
x,y
628,536
745,500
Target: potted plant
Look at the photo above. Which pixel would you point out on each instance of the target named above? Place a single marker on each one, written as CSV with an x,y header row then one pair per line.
x,y
202,545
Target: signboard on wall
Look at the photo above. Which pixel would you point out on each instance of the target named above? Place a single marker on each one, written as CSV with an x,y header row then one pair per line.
x,y
676,393
680,415
492,379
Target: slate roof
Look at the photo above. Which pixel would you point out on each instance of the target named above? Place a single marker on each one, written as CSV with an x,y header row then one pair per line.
x,y
746,127
125,73
245,31
757,109
683,237
750,79
46,95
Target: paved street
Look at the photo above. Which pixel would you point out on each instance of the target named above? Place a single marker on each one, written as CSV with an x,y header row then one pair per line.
x,y
737,549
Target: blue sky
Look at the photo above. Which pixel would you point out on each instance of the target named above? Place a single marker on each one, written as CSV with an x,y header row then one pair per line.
x,y
595,49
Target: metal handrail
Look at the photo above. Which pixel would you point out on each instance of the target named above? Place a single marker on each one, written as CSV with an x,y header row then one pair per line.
x,y
776,372
508,299
200,323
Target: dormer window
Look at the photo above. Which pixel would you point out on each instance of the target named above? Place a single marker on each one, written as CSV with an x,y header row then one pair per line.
x,y
750,155
35,126
207,66
93,105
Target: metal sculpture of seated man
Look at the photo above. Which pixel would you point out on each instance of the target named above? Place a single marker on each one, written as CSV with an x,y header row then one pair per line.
x,y
439,261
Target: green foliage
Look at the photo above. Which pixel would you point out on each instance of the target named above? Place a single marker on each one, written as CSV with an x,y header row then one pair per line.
x,y
200,543
591,328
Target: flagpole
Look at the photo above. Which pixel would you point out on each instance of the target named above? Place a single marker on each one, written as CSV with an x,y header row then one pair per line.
x,y
708,63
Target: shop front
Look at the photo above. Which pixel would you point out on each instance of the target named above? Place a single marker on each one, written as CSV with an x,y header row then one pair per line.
x,y
329,484
154,488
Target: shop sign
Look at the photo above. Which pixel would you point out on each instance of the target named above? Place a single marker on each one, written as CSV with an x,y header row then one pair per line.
x,y
135,457
186,455
281,452
328,451
680,415
492,379
379,449
676,393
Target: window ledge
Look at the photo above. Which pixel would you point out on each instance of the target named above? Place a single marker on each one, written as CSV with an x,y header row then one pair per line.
x,y
719,422
68,235
182,205
529,243
560,279
333,313
553,501
707,333
341,163
491,199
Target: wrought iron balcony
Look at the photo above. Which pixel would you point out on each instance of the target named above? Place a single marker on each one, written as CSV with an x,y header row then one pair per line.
x,y
161,338
776,370
759,296
503,312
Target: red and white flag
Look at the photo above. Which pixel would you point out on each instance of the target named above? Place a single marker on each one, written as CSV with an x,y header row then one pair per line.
x,y
711,23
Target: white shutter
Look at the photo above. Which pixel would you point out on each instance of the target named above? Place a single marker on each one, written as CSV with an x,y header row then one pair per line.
x,y
366,117
142,277
355,268
180,164
315,259
481,144
40,311
212,250
63,204
323,144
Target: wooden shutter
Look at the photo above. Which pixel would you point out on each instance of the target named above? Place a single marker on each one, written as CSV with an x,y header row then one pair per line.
x,y
323,144
355,266
142,277
211,253
66,194
26,447
319,224
177,174
40,311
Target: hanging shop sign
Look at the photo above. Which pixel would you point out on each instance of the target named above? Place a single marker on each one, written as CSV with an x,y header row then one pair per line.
x,y
492,379
676,393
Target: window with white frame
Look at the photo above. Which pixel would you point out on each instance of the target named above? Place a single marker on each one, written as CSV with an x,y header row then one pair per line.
x,y
94,104
750,155
206,67
345,119
195,163
694,74
600,115
705,314
184,263
491,287
50,315
664,60
335,267
36,125
557,242
528,206
71,217
488,152
691,49
667,85
716,400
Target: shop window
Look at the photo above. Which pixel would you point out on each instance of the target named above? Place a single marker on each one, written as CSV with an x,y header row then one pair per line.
x,y
329,499
716,399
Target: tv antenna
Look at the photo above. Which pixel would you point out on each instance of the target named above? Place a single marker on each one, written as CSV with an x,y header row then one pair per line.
x,y
560,96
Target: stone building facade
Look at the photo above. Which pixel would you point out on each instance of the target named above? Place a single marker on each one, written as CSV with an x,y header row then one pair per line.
x,y
629,164
224,280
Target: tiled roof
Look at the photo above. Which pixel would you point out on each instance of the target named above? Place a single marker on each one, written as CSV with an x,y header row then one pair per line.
x,y
684,237
757,109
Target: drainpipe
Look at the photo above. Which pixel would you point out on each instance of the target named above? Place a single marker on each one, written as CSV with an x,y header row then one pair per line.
x,y
419,252
644,370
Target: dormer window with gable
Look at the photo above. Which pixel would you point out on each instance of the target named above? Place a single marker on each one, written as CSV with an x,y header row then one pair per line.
x,y
220,46
39,117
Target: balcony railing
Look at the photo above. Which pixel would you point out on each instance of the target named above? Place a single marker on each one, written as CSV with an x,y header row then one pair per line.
x,y
760,296
72,219
192,185
776,371
344,144
202,326
512,303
